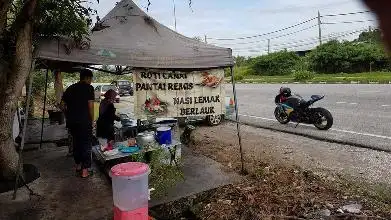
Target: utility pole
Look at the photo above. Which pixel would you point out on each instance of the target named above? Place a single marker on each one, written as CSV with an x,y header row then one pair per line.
x,y
173,1
320,29
205,39
268,46
370,42
370,31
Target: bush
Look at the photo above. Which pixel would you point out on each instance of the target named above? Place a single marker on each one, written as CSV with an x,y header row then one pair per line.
x,y
303,75
279,63
243,70
239,72
302,64
238,77
349,57
227,72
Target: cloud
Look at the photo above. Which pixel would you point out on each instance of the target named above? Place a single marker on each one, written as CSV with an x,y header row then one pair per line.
x,y
234,19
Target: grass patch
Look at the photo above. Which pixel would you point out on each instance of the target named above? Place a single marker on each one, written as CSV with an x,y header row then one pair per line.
x,y
381,77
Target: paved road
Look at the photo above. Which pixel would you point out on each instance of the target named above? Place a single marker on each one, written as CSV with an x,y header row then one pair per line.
x,y
362,113
126,105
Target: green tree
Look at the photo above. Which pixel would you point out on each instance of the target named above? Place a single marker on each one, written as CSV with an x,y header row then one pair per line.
x,y
372,36
348,57
240,60
22,24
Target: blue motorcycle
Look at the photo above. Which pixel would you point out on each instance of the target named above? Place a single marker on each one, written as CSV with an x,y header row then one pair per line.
x,y
298,110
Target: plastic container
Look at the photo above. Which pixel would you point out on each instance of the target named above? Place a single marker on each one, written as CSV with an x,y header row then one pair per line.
x,y
163,135
138,214
130,186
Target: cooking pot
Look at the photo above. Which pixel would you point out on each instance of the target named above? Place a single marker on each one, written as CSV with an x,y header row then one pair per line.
x,y
146,139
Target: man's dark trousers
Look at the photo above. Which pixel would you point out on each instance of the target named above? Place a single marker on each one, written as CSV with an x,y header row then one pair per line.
x,y
82,143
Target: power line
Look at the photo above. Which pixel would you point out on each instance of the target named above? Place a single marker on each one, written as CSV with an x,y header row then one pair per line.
x,y
344,14
307,42
272,38
296,46
348,22
301,23
279,46
288,43
254,51
334,34
260,35
299,8
327,39
296,42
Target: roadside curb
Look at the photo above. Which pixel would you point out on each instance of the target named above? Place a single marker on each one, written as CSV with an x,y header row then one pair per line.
x,y
314,137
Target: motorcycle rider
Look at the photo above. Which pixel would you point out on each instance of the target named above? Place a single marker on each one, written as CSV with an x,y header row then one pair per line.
x,y
283,95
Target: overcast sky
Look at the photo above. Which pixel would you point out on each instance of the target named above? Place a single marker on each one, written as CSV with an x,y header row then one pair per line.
x,y
235,19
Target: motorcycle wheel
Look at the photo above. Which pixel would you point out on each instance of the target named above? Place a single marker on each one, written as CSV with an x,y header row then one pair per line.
x,y
324,118
281,116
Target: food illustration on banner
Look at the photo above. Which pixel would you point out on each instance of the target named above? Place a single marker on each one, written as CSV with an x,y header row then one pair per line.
x,y
155,106
179,94
210,80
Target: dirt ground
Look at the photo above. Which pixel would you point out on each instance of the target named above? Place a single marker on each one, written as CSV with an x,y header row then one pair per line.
x,y
288,178
264,145
62,195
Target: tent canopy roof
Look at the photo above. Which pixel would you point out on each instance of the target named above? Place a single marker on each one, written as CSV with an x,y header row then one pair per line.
x,y
129,37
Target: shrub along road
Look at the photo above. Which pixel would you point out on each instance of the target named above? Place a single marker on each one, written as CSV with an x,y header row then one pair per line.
x,y
356,78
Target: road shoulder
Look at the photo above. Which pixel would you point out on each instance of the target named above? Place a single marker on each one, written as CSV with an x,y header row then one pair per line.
x,y
281,148
288,178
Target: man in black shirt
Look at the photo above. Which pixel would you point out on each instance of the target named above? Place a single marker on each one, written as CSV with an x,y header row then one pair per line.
x,y
79,107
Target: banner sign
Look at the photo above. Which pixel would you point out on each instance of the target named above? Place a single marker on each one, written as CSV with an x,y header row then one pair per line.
x,y
160,93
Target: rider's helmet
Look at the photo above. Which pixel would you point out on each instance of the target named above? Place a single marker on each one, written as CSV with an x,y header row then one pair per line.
x,y
285,91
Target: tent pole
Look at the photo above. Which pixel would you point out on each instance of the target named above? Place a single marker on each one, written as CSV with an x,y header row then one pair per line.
x,y
19,117
237,121
138,126
44,107
19,168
